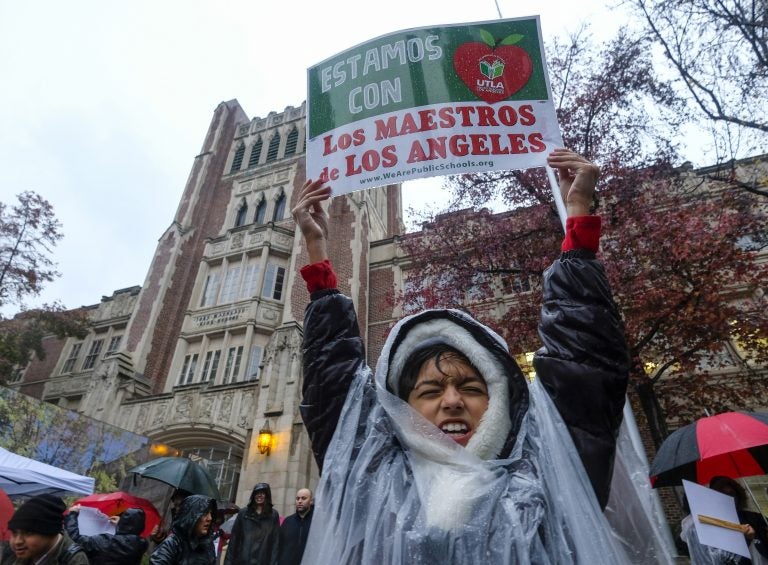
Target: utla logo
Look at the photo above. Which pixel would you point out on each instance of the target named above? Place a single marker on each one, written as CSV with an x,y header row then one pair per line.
x,y
493,71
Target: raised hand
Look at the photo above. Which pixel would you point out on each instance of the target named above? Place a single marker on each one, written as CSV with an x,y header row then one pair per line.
x,y
312,218
578,178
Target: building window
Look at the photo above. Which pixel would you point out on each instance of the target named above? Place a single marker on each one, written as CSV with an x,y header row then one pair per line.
x,y
231,284
211,366
253,160
249,287
479,286
15,375
232,368
279,208
74,353
291,142
253,364
238,160
211,288
188,369
242,213
261,211
273,282
274,145
113,346
516,283
93,354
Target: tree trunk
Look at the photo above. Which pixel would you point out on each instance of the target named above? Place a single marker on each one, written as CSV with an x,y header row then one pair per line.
x,y
657,422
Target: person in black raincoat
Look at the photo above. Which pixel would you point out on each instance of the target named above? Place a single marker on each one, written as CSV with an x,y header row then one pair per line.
x,y
190,541
124,547
256,532
294,530
446,454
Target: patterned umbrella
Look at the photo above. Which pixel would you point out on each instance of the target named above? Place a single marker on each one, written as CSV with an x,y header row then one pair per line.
x,y
114,503
732,444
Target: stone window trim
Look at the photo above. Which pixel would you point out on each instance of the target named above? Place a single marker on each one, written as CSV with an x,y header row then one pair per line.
x,y
74,353
260,215
93,354
187,374
274,147
210,366
237,160
255,156
242,214
274,280
291,142
280,201
232,367
114,345
254,363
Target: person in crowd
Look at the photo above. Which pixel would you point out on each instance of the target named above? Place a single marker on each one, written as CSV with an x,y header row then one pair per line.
x,y
124,547
446,454
255,536
295,529
37,535
756,533
190,541
158,533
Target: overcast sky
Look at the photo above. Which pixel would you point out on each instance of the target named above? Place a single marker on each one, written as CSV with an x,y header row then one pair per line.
x,y
104,105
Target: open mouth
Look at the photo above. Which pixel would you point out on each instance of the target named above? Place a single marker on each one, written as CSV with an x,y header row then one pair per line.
x,y
454,429
457,431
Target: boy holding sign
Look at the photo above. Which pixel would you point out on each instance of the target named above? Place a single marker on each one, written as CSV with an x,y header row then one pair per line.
x,y
447,454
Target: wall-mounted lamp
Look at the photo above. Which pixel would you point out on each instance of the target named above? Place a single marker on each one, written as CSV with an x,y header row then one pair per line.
x,y
265,439
163,450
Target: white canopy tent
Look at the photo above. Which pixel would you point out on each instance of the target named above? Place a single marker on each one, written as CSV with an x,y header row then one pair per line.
x,y
21,476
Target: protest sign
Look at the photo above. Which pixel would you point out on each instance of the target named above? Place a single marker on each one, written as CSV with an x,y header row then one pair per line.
x,y
91,521
431,101
708,502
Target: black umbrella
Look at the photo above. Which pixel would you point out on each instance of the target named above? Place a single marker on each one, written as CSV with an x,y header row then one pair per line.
x,y
181,473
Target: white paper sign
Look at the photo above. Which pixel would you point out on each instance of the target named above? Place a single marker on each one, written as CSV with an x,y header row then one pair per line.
x,y
708,502
91,522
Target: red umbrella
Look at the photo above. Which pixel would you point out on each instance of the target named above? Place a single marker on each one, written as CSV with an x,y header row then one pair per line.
x,y
6,512
114,503
732,444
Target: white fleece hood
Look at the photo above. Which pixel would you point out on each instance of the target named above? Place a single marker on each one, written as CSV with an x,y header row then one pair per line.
x,y
488,353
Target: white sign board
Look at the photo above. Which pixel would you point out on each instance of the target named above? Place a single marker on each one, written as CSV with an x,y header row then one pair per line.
x,y
708,502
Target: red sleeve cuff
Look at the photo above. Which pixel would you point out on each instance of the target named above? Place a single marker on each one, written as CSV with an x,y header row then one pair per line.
x,y
319,276
582,232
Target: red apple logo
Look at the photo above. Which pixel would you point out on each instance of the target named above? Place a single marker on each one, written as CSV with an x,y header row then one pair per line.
x,y
493,72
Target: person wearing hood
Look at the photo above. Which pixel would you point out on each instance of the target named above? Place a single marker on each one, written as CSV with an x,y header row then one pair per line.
x,y
256,532
446,454
124,547
190,541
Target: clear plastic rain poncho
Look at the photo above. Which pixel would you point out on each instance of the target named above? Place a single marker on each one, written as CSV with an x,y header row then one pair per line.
x,y
395,489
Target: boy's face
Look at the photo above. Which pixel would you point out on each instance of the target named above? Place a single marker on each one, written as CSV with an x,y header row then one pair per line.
x,y
31,545
454,396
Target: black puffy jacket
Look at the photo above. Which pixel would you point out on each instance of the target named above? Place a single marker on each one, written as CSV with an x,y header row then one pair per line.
x,y
255,537
182,546
124,547
583,363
